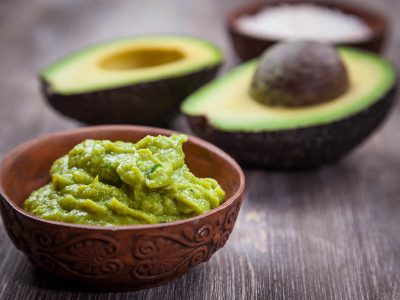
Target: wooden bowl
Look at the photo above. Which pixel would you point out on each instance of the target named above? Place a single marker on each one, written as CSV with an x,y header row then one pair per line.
x,y
119,257
248,46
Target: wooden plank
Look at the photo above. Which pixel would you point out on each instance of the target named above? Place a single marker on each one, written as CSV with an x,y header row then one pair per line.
x,y
331,233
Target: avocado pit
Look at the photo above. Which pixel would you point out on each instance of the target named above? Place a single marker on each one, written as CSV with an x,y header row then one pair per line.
x,y
300,73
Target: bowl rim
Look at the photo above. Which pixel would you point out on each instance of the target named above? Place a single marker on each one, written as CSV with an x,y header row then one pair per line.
x,y
144,129
357,10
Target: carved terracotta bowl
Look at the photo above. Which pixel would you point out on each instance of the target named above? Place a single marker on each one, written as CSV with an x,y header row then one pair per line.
x,y
248,46
120,257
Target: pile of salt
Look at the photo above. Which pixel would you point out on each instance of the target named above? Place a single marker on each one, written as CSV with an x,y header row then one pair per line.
x,y
305,21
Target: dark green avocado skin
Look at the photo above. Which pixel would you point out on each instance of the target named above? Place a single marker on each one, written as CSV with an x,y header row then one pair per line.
x,y
152,103
300,148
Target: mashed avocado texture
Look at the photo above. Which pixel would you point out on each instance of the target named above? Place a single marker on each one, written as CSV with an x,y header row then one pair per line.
x,y
119,183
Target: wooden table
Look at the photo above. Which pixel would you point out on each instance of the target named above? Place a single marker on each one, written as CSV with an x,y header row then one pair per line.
x,y
332,233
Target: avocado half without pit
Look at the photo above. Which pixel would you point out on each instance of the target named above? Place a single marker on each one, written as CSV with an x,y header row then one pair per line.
x,y
301,105
135,81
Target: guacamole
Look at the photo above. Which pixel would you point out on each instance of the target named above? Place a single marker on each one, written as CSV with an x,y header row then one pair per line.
x,y
119,183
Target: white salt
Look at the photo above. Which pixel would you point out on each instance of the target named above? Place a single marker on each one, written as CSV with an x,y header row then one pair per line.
x,y
305,21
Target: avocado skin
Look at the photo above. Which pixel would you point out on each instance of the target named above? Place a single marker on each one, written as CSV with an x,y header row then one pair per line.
x,y
300,148
152,103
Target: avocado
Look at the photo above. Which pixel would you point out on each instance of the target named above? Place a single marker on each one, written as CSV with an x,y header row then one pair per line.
x,y
138,80
224,113
299,73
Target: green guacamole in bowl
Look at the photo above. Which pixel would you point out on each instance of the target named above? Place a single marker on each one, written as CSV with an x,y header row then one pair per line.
x,y
100,182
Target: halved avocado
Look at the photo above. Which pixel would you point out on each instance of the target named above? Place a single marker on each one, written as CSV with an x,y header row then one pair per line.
x,y
224,113
138,80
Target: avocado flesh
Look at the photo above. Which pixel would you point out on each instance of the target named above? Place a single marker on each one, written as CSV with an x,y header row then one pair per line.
x,y
128,62
227,105
300,148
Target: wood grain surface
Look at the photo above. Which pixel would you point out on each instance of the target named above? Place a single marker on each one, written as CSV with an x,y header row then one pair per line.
x,y
331,233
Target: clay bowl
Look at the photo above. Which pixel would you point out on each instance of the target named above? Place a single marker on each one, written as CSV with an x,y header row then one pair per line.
x,y
120,257
248,47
